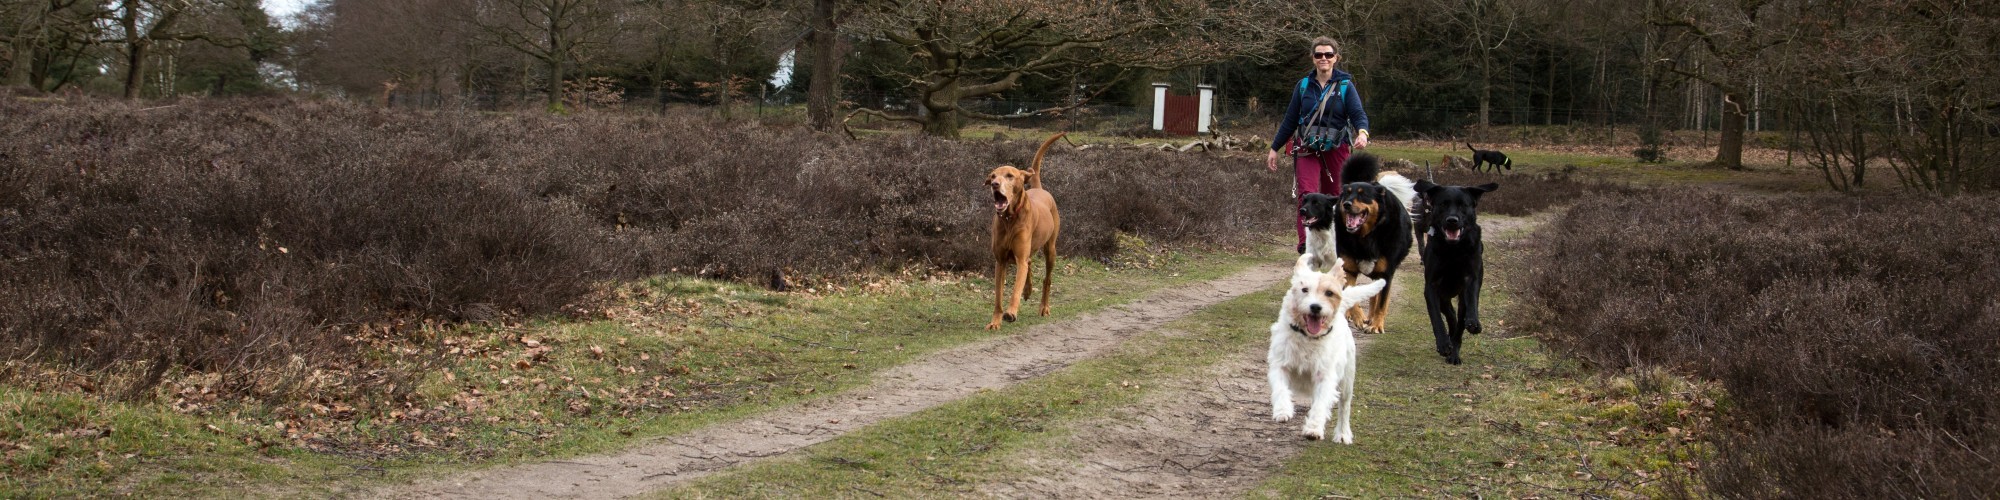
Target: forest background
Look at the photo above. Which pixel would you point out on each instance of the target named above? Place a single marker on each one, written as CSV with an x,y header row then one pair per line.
x,y
1854,86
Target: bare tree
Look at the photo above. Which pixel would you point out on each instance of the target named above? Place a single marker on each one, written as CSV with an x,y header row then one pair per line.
x,y
25,23
362,45
1484,27
1727,38
144,24
714,48
829,51
39,32
1908,85
964,49
557,33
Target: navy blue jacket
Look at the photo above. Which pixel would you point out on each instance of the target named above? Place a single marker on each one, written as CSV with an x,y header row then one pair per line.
x,y
1339,112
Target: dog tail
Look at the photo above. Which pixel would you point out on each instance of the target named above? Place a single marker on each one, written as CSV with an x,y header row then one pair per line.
x,y
1355,294
1469,146
1362,167
1035,168
1403,188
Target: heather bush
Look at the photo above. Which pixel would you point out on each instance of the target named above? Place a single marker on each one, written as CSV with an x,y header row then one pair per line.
x,y
1856,336
262,239
1522,194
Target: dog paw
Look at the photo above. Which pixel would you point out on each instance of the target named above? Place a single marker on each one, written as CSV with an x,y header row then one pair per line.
x,y
1473,327
1282,414
1312,434
1045,312
1344,437
1010,317
1453,359
995,325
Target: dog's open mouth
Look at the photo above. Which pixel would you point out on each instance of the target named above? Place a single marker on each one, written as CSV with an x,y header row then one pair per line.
x,y
999,201
1353,222
1315,326
1310,220
1453,234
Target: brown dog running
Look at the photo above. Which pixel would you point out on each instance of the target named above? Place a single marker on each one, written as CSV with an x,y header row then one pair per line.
x,y
1024,220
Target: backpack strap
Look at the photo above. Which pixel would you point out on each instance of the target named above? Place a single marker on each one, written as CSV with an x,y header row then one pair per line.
x,y
1340,89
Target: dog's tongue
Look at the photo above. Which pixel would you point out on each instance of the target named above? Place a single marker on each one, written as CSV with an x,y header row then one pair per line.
x,y
999,206
1354,221
1313,324
1452,234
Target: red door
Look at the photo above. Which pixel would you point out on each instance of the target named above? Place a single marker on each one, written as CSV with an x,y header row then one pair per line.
x,y
1183,111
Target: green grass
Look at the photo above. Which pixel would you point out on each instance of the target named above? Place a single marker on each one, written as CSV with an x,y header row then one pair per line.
x,y
946,449
672,354
1514,421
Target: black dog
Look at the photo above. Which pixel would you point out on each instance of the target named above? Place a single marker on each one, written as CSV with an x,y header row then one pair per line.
x,y
1482,157
1374,236
1454,262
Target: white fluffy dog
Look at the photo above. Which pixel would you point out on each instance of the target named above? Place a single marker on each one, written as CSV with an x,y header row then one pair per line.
x,y
1312,349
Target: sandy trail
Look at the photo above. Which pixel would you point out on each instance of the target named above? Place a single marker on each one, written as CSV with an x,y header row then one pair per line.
x,y
1204,436
939,378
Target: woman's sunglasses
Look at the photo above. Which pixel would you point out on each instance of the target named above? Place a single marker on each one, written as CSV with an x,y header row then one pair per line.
x,y
1324,55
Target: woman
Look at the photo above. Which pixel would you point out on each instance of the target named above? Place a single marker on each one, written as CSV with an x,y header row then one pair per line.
x,y
1325,98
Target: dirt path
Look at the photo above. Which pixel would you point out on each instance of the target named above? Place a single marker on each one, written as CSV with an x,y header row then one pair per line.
x,y
1200,437
1204,436
939,378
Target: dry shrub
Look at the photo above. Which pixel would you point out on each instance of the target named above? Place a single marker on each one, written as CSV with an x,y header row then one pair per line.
x,y
239,236
1522,193
1855,335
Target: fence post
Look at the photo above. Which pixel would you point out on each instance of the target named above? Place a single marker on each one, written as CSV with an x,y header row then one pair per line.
x,y
1207,108
1159,106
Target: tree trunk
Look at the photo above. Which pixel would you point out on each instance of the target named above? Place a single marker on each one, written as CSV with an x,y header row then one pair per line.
x,y
941,118
1550,118
1729,151
555,89
828,54
1485,93
18,74
555,61
135,49
31,33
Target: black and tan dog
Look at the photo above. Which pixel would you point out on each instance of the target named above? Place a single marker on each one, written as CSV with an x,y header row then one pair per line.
x,y
1024,220
1485,157
1454,263
1374,236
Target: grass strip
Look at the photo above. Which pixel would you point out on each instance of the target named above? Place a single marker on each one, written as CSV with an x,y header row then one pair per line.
x,y
946,449
670,354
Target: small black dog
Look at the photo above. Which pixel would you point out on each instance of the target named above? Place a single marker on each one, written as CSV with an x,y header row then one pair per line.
x,y
1454,262
1482,157
1318,211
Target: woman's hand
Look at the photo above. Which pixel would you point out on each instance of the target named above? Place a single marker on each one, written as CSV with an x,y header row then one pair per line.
x,y
1361,140
1271,160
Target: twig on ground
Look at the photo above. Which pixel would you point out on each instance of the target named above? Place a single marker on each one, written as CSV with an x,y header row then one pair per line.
x,y
816,344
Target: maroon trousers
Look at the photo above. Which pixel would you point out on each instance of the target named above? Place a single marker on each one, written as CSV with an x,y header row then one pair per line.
x,y
1317,173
